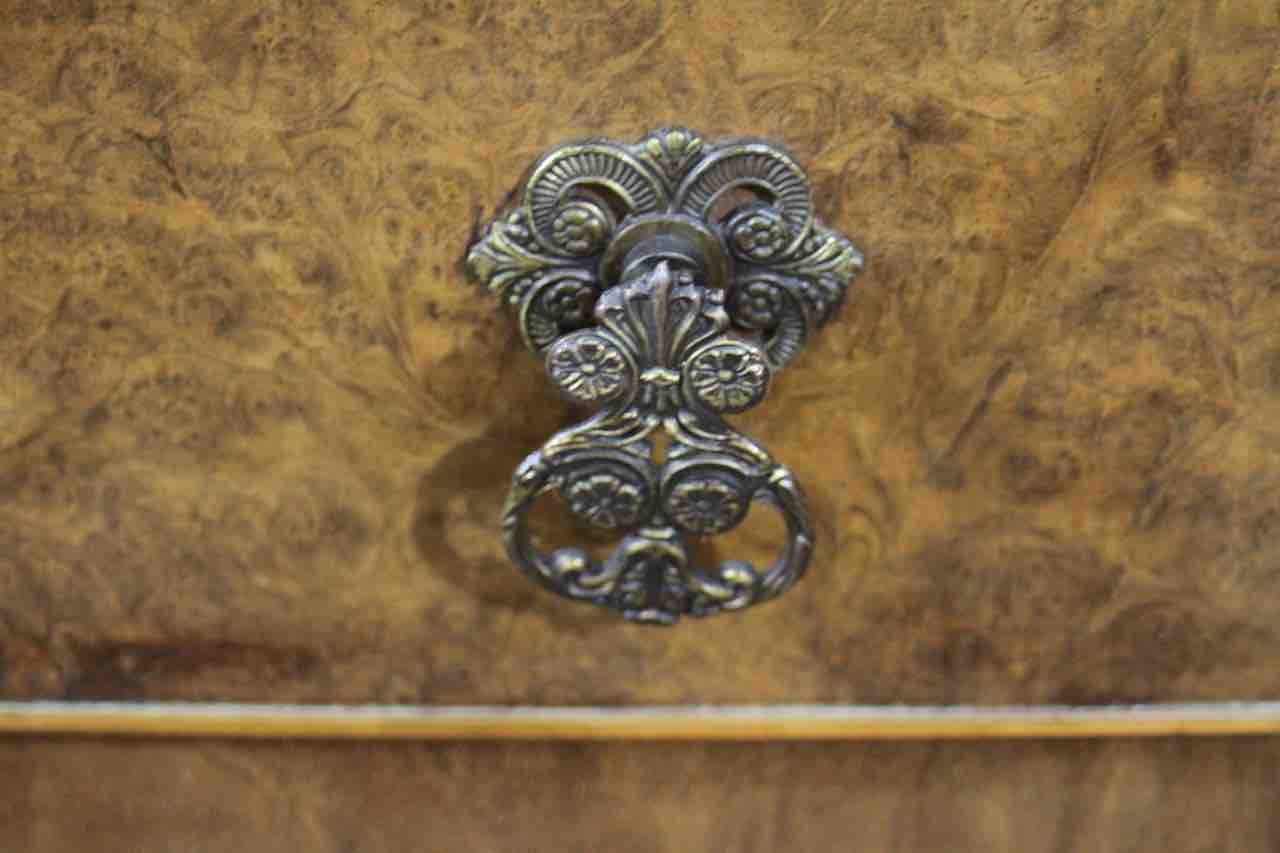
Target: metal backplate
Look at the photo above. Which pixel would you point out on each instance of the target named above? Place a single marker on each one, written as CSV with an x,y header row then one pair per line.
x,y
665,283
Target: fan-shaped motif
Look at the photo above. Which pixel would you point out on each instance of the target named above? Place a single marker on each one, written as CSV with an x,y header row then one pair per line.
x,y
598,165
752,166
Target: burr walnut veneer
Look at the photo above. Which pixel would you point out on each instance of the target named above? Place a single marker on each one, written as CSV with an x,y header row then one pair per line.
x,y
256,427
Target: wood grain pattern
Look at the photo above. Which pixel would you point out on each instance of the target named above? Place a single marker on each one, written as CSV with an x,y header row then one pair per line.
x,y
255,428
1113,796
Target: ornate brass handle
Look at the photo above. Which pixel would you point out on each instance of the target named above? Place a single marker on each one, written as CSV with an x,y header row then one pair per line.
x,y
664,282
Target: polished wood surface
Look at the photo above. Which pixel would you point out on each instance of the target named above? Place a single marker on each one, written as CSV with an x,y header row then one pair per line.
x,y
255,427
1169,796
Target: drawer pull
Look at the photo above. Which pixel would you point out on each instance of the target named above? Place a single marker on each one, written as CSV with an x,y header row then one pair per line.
x,y
664,283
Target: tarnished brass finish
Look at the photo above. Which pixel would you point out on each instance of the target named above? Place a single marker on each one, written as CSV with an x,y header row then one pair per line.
x,y
664,282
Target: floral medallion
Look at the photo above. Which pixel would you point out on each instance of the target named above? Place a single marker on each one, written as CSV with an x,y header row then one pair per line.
x,y
605,500
589,367
705,506
727,377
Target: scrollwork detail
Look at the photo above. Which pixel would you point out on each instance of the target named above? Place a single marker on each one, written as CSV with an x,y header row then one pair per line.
x,y
557,303
775,305
759,167
602,167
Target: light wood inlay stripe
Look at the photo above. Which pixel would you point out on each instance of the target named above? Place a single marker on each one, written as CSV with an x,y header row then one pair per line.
x,y
729,723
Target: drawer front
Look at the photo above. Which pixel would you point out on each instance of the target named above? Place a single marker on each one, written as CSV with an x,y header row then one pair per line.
x,y
256,426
